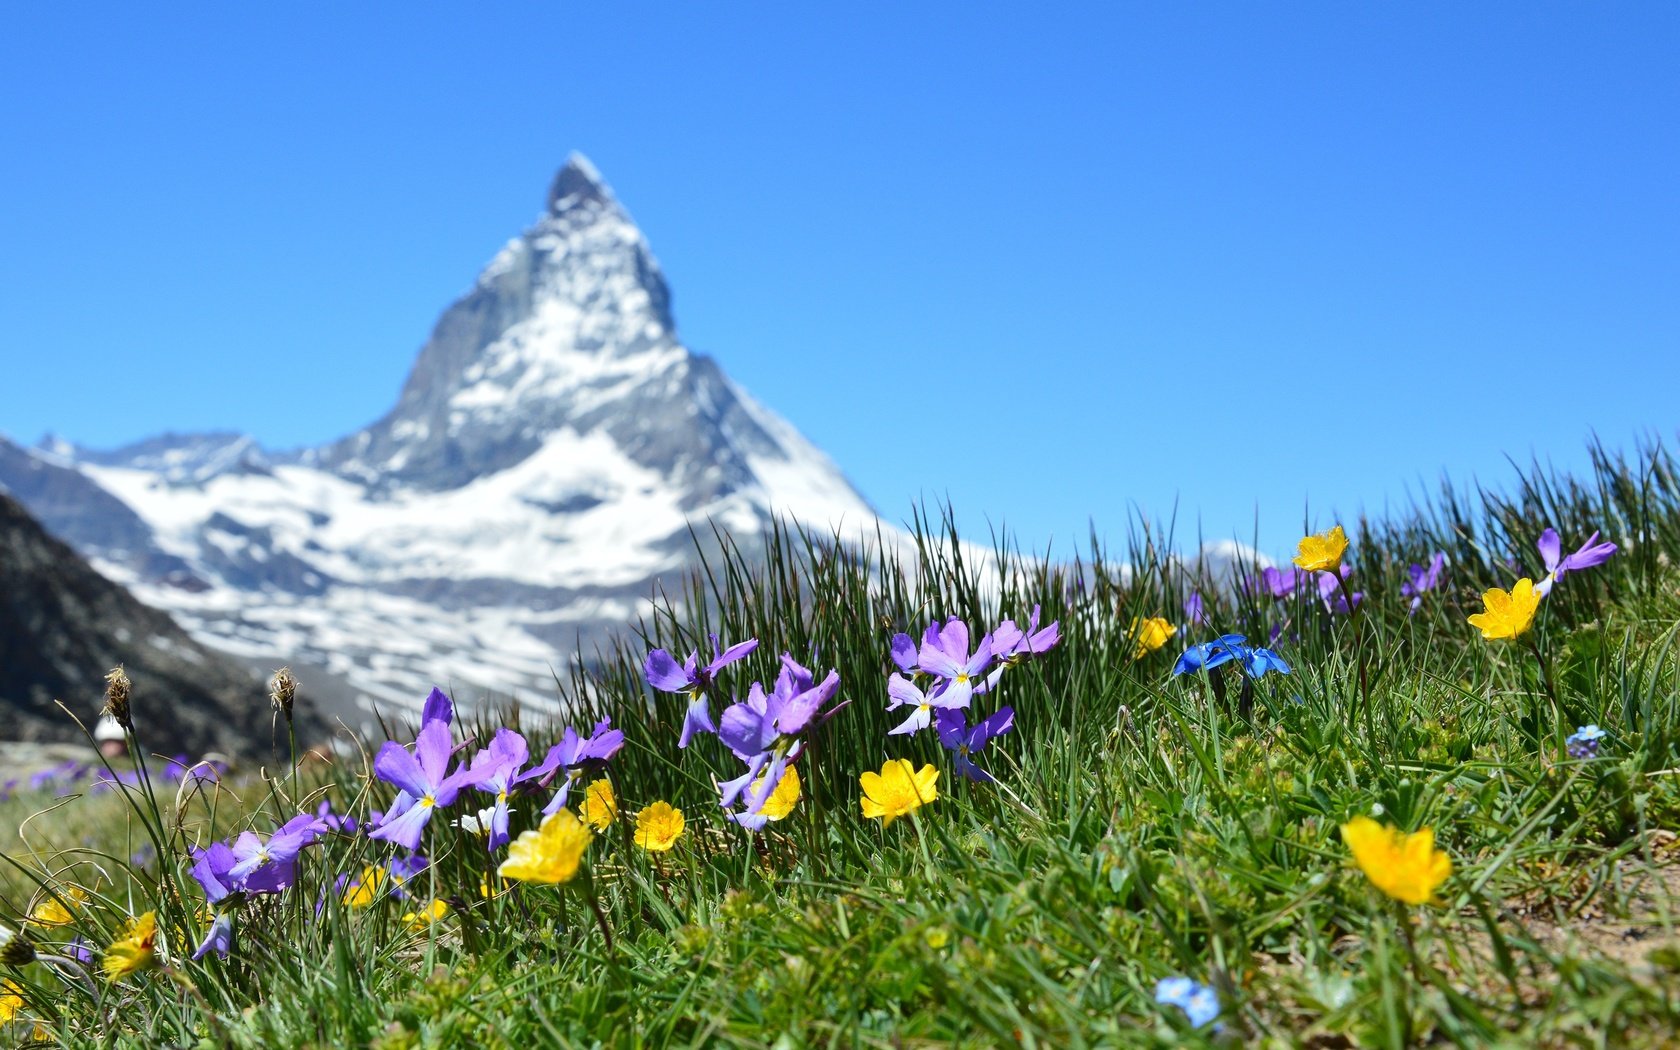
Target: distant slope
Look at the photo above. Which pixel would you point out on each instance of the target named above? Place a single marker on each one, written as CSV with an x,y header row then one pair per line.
x,y
62,626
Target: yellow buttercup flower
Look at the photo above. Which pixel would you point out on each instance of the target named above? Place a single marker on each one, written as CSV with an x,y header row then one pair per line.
x,y
423,918
1508,614
1149,635
784,798
600,805
11,1000
55,911
1406,867
135,950
551,853
658,827
897,789
365,891
1322,552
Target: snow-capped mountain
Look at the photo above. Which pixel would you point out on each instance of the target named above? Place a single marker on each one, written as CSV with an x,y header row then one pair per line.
x,y
539,472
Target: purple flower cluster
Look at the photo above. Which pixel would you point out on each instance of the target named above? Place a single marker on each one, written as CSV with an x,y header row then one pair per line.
x,y
955,676
1421,580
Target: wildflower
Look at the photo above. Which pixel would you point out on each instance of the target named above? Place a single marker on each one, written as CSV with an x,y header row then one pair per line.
x,y
211,866
135,950
282,691
946,657
1423,580
778,803
437,708
1322,552
600,805
16,949
55,910
330,821
574,755
664,673
117,687
11,1000
1281,583
421,777
218,939
1406,867
658,827
1591,553
478,823
965,741
1198,1001
419,920
1508,614
1195,611
365,890
551,853
764,730
897,789
1149,635
495,769
269,866
1583,743
1011,644
901,692
1255,660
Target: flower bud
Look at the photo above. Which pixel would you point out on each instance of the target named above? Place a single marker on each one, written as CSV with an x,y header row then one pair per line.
x,y
16,949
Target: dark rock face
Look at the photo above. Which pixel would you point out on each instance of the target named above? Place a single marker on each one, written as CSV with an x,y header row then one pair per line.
x,y
62,626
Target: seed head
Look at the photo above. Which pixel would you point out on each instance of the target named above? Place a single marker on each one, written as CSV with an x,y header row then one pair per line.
x,y
282,690
16,949
116,697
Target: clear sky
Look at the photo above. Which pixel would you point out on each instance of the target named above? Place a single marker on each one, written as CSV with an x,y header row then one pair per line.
x,y
1059,263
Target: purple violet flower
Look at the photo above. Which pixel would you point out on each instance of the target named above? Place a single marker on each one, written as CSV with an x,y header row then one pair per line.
x,y
1011,644
901,692
1283,583
1558,565
964,740
495,770
574,755
1195,612
219,939
665,674
1423,580
961,672
421,776
1333,590
438,708
764,729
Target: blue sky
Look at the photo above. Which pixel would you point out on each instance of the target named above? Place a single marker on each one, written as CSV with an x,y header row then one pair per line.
x,y
1057,264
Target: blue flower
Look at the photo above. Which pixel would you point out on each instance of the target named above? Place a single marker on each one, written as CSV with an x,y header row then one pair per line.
x,y
1256,661
1199,1002
1583,743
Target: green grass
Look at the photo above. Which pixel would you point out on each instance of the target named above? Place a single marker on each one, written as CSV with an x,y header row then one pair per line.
x,y
1141,830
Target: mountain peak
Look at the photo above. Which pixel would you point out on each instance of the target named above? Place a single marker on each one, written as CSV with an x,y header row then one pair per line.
x,y
577,183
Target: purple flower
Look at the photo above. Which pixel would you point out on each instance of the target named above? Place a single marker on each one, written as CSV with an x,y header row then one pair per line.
x,y
901,692
219,939
438,708
495,770
1012,645
964,740
946,657
1282,583
421,776
664,673
1591,553
1423,580
573,755
1195,613
210,867
269,866
764,729
330,821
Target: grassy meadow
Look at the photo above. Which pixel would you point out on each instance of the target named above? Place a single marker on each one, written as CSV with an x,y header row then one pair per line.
x,y
1143,825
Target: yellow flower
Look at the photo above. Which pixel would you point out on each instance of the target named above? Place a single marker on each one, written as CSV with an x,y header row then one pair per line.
x,y
1406,867
784,798
658,827
419,920
897,789
600,805
55,911
551,853
135,950
1149,635
365,890
1323,552
1508,615
11,1000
